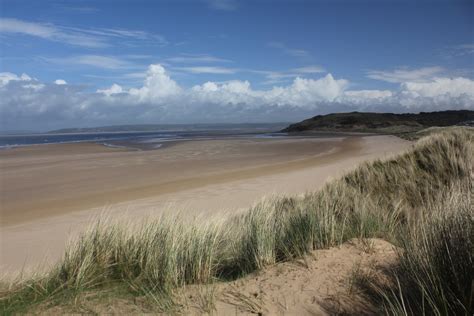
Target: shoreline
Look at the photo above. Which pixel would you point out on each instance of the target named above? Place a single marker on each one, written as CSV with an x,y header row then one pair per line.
x,y
64,178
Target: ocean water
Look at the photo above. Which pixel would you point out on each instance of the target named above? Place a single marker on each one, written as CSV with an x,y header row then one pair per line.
x,y
137,140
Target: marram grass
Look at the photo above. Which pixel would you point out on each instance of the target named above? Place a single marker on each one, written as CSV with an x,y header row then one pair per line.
x,y
390,199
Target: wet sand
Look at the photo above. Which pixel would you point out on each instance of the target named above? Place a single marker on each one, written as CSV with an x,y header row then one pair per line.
x,y
50,192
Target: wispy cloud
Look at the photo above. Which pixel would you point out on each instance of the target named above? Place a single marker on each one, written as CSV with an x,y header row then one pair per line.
x,y
270,76
464,49
190,58
97,61
274,77
289,51
92,38
208,70
79,9
50,32
225,5
134,35
405,74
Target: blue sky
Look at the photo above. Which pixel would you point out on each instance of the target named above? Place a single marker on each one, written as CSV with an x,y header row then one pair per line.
x,y
263,60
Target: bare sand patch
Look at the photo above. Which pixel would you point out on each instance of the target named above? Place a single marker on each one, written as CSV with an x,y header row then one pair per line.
x,y
317,284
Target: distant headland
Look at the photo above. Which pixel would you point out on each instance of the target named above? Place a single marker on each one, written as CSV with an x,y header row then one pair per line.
x,y
382,122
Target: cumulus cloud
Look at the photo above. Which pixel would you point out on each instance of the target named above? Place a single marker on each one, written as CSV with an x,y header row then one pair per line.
x,y
6,77
157,86
451,87
301,93
26,102
368,94
60,82
114,89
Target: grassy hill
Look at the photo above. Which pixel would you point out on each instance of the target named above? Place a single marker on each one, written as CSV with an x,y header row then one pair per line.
x,y
381,122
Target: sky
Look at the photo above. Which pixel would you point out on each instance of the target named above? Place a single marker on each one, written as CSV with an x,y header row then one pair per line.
x,y
89,63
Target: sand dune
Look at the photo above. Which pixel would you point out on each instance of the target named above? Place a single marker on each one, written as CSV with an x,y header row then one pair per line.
x,y
51,192
317,284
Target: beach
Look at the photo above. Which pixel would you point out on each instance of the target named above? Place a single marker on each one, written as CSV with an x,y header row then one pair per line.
x,y
51,192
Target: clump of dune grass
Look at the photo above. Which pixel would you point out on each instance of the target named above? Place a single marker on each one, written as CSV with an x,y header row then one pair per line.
x,y
435,269
151,258
384,198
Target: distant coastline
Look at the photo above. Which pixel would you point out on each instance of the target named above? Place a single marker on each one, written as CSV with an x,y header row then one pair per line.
x,y
130,128
382,123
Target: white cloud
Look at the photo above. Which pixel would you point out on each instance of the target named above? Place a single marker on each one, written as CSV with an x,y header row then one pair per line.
x,y
6,77
98,61
369,94
301,93
307,91
33,29
114,89
49,32
60,82
157,86
452,87
34,86
366,98
224,93
403,75
26,102
92,38
278,77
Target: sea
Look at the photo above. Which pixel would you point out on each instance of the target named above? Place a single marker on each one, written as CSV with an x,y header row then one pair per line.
x,y
135,140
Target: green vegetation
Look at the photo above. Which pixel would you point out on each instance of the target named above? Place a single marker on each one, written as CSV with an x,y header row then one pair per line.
x,y
434,273
385,123
436,266
419,200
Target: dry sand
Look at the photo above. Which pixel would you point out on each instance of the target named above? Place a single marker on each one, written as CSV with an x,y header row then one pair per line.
x,y
321,283
51,192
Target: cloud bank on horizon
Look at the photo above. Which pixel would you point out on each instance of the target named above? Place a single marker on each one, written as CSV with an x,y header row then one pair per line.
x,y
161,99
230,61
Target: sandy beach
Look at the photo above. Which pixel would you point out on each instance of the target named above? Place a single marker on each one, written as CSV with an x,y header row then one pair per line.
x,y
50,192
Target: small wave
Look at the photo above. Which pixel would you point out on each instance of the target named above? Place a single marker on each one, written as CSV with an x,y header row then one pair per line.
x,y
159,139
116,146
273,135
